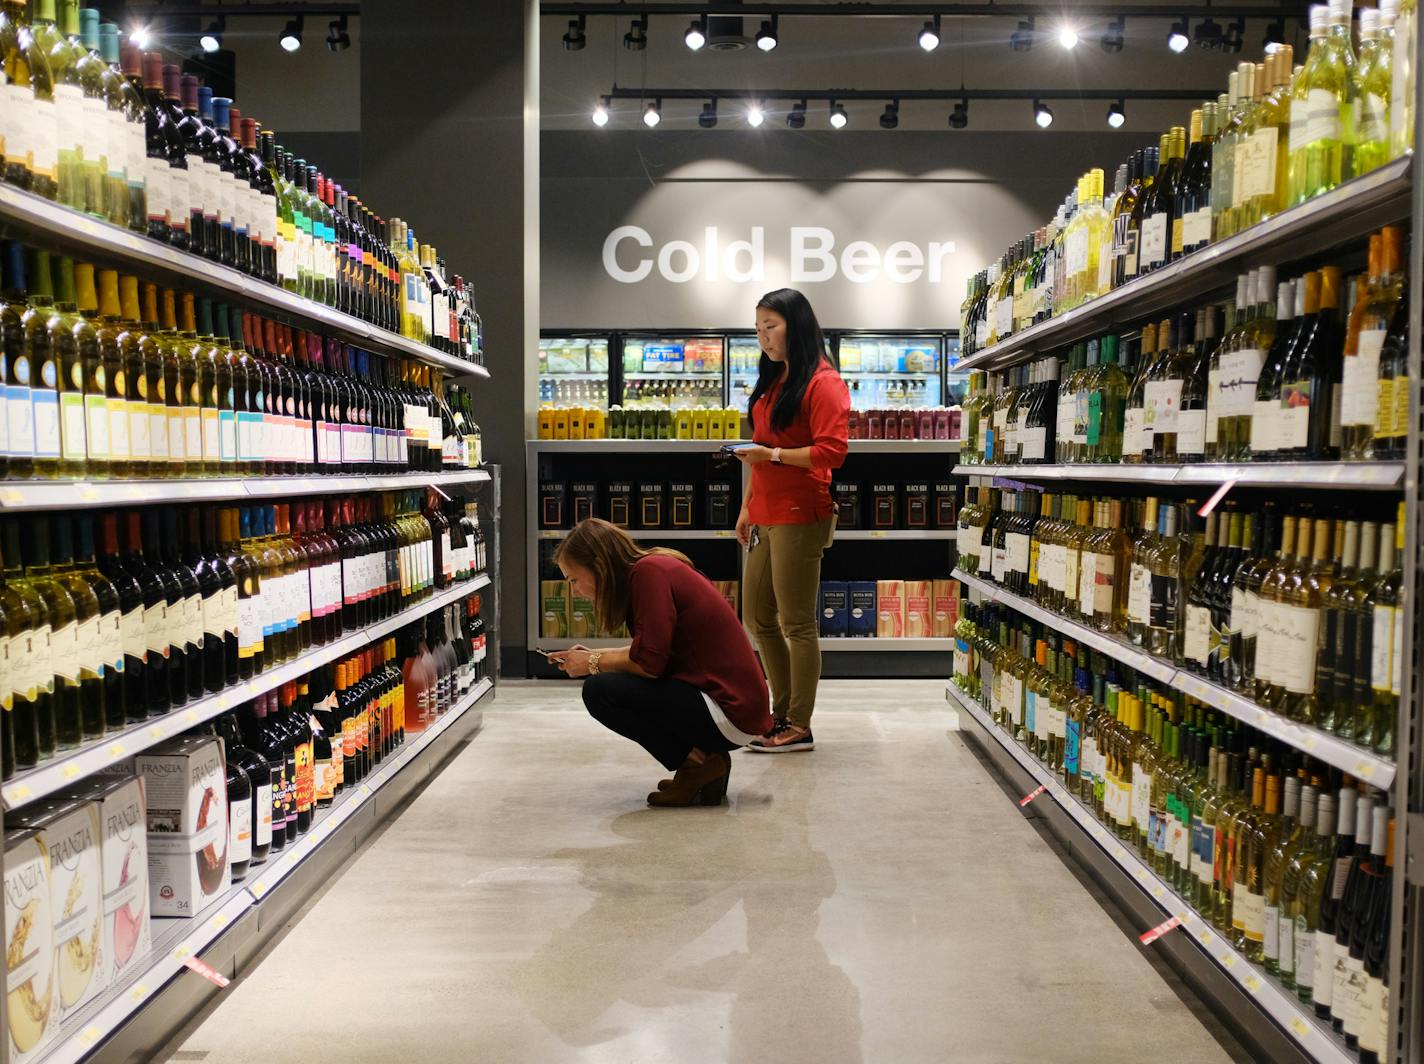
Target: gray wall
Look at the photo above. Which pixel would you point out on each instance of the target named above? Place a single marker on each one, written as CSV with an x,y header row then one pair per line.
x,y
447,141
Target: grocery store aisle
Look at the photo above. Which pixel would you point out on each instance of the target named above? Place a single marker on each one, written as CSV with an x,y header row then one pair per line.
x,y
881,899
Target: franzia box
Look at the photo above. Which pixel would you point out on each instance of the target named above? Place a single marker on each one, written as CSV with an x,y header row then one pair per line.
x,y
890,609
918,620
860,624
31,1012
124,835
185,795
834,608
945,608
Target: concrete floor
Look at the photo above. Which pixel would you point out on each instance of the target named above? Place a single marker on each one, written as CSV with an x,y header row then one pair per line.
x,y
881,900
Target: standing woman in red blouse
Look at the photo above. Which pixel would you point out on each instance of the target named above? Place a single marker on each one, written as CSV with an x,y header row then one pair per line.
x,y
798,413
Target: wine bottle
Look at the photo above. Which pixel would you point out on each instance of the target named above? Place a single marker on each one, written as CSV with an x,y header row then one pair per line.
x,y
93,637
1322,106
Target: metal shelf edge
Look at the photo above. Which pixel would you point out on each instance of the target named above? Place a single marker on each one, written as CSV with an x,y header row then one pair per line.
x,y
61,771
1376,770
1323,475
1271,998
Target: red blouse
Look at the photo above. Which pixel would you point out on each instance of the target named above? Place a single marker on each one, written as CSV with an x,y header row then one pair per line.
x,y
790,495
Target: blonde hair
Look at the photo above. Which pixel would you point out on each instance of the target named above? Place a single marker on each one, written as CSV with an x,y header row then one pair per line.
x,y
609,553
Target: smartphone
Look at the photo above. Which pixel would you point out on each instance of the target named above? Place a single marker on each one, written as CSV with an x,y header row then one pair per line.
x,y
733,448
546,653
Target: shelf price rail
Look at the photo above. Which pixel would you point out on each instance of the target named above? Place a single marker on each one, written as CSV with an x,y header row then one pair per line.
x,y
177,939
1363,764
1371,476
62,770
1280,1005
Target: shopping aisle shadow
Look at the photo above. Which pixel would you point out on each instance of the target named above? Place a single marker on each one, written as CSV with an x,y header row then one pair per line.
x,y
680,875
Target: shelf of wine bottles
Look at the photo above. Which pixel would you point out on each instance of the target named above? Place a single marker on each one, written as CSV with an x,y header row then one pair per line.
x,y
1374,476
176,939
113,747
1324,745
1312,1034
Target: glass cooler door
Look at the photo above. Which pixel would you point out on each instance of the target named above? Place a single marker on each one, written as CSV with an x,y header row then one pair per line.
x,y
889,372
573,371
672,372
743,358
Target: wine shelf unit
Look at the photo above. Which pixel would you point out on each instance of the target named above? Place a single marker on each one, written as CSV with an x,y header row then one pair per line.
x,y
1297,1019
536,447
176,939
1356,476
1363,764
1316,227
19,496
65,767
28,215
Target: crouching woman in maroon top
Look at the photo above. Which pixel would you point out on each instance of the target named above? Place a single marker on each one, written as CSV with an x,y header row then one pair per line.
x,y
688,689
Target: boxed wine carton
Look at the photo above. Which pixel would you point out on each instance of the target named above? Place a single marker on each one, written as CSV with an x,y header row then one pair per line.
x,y
554,597
583,500
847,501
652,504
618,503
860,623
945,504
945,608
916,513
682,504
834,608
185,796
731,590
124,859
919,622
553,504
582,624
890,609
31,1011
885,506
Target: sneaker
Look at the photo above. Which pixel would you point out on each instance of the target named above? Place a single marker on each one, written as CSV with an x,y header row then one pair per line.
x,y
784,738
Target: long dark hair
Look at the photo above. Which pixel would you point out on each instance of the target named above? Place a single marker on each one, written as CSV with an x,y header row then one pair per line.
x,y
805,351
609,554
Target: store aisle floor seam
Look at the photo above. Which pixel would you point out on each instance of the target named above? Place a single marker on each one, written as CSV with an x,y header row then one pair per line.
x,y
876,900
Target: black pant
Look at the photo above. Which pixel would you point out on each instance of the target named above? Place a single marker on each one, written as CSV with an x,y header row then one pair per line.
x,y
667,718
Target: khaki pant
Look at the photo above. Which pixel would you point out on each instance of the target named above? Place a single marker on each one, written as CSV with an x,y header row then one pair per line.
x,y
779,602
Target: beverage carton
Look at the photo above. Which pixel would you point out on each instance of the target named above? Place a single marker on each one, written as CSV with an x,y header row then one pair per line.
x,y
185,794
554,594
32,1013
890,609
124,859
919,622
860,623
834,608
944,608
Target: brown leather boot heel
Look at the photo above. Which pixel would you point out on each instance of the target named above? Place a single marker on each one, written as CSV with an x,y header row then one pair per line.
x,y
694,784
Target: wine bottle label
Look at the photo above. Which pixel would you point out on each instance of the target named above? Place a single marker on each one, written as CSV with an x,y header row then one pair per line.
x,y
1374,1021
1154,240
20,117
69,113
239,824
248,631
1139,594
1338,878
1314,120
1179,840
1104,585
1239,373
1293,417
1203,851
1360,388
1016,555
45,153
1161,402
1356,984
1304,955
1086,592
1381,648
1340,997
1191,434
1032,443
64,651
1265,436
116,142
45,401
20,419
1255,162
1272,937
95,430
1397,655
1294,640
1072,567
155,629
1141,800
1196,228
1285,944
1196,644
1213,405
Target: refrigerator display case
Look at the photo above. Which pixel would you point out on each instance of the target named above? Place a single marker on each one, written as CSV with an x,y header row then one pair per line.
x,y
889,371
670,372
956,381
743,358
573,370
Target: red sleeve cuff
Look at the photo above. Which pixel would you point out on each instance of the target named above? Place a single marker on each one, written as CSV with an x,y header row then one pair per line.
x,y
652,660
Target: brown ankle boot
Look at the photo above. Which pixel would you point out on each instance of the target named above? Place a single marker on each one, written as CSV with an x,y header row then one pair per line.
x,y
694,784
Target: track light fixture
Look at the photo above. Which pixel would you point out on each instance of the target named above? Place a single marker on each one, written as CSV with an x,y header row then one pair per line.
x,y
891,117
574,39
600,113
959,117
211,40
291,38
796,117
929,36
1208,34
1235,37
708,118
1067,37
696,35
636,39
1113,36
1116,115
1275,33
1042,115
839,117
141,37
766,38
756,115
1021,40
337,36
654,114
1177,38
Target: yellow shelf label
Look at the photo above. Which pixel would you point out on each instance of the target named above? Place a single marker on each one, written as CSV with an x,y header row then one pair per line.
x,y
1300,1027
117,750
69,771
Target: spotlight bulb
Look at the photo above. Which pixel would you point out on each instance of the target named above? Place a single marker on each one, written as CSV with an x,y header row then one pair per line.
x,y
929,36
1067,37
796,117
766,38
1042,115
696,36
708,118
891,118
652,116
141,38
755,116
600,116
839,118
291,38
1116,115
211,40
959,117
338,39
1177,38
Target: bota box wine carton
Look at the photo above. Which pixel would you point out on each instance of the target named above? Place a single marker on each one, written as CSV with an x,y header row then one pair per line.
x,y
124,858
890,609
554,598
185,794
582,624
69,833
860,623
31,1011
918,620
945,608
834,609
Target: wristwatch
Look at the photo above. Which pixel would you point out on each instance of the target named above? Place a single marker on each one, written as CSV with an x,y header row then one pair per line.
x,y
776,456
593,662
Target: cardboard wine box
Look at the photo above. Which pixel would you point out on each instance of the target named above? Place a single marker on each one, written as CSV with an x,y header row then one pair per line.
x,y
731,590
618,503
834,608
916,501
583,500
847,500
123,829
32,1013
890,609
722,504
860,623
884,506
652,504
944,503
919,621
554,596
682,504
553,504
582,624
945,608
185,792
